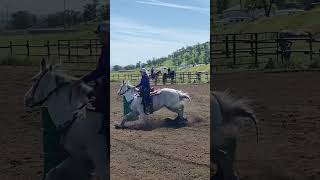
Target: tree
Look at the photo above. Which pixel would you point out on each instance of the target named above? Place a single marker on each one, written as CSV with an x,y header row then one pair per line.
x,y
90,11
222,5
102,13
22,20
116,68
138,65
56,19
252,5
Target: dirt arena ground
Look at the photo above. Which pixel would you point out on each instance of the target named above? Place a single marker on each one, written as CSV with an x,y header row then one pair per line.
x,y
287,104
288,107
20,133
163,152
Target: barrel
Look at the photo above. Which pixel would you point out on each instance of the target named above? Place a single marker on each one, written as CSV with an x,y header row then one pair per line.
x,y
53,152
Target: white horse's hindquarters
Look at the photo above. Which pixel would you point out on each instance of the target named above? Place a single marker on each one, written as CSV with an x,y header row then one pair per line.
x,y
169,99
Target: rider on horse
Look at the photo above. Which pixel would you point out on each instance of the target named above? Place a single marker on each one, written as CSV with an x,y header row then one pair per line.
x,y
145,89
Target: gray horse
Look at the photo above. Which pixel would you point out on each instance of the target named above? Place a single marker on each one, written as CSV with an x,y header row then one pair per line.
x,y
225,111
67,107
171,99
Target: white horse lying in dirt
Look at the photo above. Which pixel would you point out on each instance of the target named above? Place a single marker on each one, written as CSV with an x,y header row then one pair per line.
x,y
225,110
67,107
172,99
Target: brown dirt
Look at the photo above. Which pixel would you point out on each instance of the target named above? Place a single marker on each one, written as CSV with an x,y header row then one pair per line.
x,y
288,106
163,152
20,134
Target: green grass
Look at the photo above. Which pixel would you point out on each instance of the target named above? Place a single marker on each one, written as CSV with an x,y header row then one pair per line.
x,y
306,21
86,32
303,21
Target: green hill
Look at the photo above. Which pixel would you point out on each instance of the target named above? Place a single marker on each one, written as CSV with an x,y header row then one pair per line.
x,y
197,54
305,21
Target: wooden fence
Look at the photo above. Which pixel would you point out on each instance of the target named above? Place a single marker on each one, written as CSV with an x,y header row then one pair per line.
x,y
181,77
72,50
254,49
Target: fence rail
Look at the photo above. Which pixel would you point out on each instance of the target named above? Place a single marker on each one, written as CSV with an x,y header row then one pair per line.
x,y
256,48
70,49
181,77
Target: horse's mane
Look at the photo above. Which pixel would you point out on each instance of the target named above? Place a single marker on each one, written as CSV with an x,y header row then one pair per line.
x,y
130,86
64,78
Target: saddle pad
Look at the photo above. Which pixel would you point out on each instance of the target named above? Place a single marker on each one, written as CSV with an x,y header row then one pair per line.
x,y
155,92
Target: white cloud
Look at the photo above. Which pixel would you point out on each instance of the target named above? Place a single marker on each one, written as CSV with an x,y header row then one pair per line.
x,y
132,42
178,6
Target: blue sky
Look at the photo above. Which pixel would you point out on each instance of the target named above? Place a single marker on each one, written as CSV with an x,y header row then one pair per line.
x,y
143,29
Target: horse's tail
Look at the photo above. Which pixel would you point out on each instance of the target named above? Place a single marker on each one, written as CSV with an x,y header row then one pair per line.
x,y
184,96
235,108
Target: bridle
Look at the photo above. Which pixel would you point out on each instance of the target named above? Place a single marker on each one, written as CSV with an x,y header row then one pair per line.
x,y
121,94
49,94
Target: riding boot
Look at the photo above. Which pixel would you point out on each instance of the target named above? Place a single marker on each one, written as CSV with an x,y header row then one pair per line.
x,y
145,108
151,108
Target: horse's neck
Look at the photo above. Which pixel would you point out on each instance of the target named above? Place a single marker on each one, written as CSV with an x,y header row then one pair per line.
x,y
63,104
129,95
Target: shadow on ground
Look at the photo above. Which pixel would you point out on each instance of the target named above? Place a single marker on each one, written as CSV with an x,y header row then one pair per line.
x,y
163,123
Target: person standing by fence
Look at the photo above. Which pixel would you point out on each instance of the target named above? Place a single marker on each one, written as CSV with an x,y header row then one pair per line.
x,y
285,49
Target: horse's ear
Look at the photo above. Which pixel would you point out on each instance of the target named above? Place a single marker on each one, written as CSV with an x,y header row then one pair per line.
x,y
43,65
122,81
50,67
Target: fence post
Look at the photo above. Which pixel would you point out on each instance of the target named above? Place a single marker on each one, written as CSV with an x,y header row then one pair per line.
x,y
234,49
48,48
59,48
183,77
77,50
310,47
90,46
69,51
251,44
227,46
11,48
28,48
277,51
256,50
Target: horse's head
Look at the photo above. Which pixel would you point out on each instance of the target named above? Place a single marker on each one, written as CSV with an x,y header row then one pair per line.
x,y
41,85
125,87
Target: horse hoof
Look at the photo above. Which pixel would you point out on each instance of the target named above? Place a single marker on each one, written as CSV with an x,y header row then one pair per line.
x,y
118,126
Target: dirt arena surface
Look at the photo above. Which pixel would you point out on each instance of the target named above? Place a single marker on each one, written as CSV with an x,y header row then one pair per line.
x,y
20,134
288,107
163,152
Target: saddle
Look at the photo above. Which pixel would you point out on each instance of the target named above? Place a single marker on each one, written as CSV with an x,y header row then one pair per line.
x,y
154,91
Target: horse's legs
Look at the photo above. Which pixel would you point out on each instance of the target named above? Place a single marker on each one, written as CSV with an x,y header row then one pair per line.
x,y
179,111
125,118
